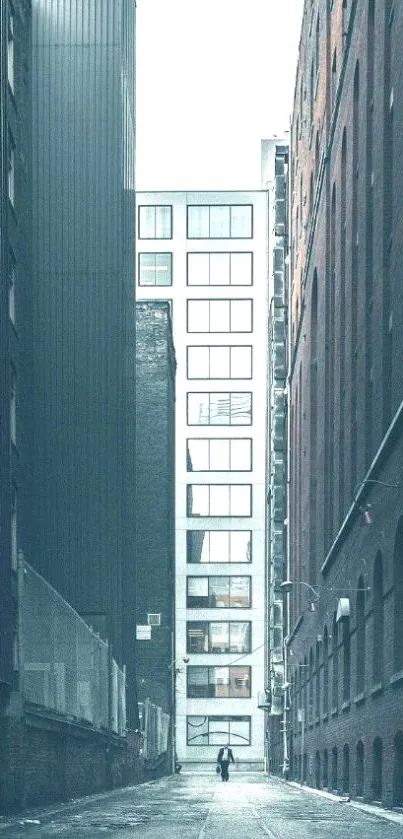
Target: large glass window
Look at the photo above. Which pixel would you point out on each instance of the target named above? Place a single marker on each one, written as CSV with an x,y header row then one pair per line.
x,y
219,316
219,682
219,408
219,221
218,636
209,546
155,269
219,500
155,222
218,592
11,168
219,455
234,362
214,731
219,269
10,48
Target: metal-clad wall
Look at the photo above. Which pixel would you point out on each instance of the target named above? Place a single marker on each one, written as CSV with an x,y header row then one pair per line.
x,y
5,565
83,289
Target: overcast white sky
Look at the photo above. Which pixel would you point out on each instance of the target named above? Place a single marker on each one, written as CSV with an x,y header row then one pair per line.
x,y
213,78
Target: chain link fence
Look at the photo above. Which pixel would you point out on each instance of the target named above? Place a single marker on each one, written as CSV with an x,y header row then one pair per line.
x,y
154,724
64,665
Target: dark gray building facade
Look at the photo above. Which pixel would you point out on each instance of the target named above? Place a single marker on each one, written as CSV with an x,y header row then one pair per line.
x,y
14,316
83,310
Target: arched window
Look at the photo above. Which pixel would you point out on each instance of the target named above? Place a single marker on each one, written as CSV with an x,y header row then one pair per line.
x,y
310,195
378,621
346,769
311,681
334,79
317,680
334,779
325,671
398,770
335,664
377,769
359,764
360,637
317,46
398,598
346,659
311,92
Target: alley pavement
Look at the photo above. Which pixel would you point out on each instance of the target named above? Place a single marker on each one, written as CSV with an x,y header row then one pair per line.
x,y
250,806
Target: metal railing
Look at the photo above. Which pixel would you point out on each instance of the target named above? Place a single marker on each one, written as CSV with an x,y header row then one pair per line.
x,y
64,666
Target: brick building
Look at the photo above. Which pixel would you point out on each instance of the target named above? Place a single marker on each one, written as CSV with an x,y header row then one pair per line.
x,y
345,402
155,503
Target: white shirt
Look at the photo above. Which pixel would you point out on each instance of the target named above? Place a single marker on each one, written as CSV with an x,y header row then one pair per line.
x,y
225,755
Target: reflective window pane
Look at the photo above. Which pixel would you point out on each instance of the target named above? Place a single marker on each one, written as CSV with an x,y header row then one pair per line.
x,y
219,222
198,316
163,269
198,222
240,732
198,269
197,731
241,408
241,269
219,408
219,682
219,542
198,409
219,315
241,222
220,455
239,682
198,362
240,592
197,636
198,500
240,503
219,268
241,455
220,500
220,362
219,589
240,637
219,637
197,592
147,222
198,682
240,546
241,363
163,222
241,316
198,456
198,548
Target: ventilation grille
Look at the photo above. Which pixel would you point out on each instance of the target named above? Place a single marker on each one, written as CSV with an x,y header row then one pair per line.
x,y
154,619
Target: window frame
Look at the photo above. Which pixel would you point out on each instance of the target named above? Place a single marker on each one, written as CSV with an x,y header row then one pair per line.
x,y
230,301
226,735
154,207
220,285
229,440
221,515
228,561
210,347
210,651
210,578
213,667
214,207
155,254
209,424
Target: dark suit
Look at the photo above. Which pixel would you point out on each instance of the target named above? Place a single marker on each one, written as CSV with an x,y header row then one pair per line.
x,y
225,763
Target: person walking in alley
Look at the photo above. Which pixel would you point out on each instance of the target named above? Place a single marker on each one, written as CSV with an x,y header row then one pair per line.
x,y
223,759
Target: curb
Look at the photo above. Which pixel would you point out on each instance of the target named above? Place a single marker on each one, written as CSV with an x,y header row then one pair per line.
x,y
371,809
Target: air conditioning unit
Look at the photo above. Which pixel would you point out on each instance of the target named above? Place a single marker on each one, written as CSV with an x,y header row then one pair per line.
x,y
154,619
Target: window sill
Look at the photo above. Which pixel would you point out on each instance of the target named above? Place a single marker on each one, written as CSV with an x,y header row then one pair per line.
x,y
396,678
377,689
345,706
334,712
360,698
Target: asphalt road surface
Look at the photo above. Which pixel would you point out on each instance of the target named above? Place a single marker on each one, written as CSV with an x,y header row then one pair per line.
x,y
250,806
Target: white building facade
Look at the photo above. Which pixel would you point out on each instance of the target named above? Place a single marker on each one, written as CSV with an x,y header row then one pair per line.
x,y
207,253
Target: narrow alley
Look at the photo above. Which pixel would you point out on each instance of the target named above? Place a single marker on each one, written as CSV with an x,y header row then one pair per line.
x,y
194,806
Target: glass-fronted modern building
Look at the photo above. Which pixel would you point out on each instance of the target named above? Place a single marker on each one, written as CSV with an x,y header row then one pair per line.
x,y
206,252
